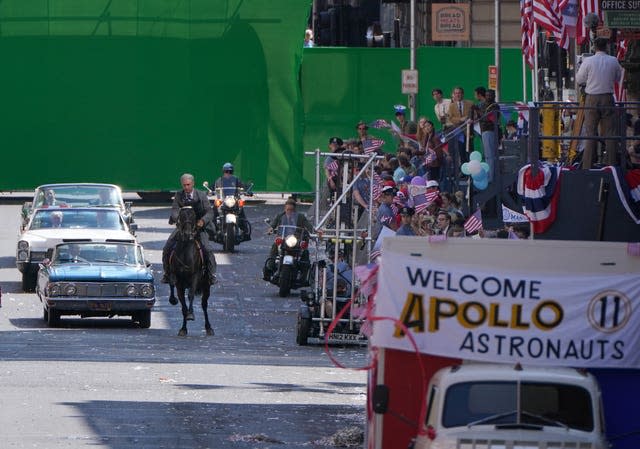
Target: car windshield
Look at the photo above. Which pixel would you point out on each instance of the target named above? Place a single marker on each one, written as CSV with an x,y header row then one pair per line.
x,y
78,195
111,253
495,403
77,218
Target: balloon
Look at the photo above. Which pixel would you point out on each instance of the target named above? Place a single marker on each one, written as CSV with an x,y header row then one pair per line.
x,y
481,185
465,168
475,156
485,166
474,167
418,181
480,176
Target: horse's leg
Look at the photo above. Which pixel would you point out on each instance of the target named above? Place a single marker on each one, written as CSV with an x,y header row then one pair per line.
x,y
183,330
192,294
205,303
172,297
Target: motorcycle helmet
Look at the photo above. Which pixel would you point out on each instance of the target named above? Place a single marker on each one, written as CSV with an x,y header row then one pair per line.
x,y
227,167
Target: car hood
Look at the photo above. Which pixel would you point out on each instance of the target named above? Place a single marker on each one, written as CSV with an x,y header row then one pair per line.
x,y
51,237
99,273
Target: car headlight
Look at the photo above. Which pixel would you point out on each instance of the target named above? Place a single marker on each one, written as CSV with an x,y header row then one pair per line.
x,y
291,241
146,290
23,255
132,290
229,201
70,290
23,244
54,290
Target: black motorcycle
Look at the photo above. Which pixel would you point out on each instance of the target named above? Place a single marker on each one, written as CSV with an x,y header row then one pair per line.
x,y
289,268
230,228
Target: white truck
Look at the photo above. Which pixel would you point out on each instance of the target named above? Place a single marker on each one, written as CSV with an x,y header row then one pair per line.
x,y
489,406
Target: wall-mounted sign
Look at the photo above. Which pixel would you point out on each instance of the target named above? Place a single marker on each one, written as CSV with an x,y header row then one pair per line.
x,y
450,22
493,77
620,5
409,81
622,19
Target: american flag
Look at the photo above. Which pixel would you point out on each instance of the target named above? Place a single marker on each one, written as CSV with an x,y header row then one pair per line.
x,y
331,165
474,222
423,200
619,92
377,186
430,158
548,14
371,145
526,28
380,123
586,7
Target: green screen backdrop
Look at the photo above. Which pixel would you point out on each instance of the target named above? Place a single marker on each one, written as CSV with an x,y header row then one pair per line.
x,y
138,92
342,86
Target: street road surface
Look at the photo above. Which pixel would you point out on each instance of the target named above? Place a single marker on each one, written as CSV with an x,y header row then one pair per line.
x,y
105,383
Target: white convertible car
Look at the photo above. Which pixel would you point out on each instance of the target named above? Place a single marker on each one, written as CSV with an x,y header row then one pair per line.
x,y
48,227
77,195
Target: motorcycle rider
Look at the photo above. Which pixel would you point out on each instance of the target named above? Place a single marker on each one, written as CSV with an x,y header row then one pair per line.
x,y
229,185
292,220
197,199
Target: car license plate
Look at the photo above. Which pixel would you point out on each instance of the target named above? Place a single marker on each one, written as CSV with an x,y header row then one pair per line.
x,y
287,260
100,306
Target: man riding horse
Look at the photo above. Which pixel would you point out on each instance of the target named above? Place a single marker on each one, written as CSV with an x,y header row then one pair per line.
x,y
198,200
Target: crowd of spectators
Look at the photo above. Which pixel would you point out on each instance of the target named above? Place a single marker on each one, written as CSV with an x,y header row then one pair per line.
x,y
415,188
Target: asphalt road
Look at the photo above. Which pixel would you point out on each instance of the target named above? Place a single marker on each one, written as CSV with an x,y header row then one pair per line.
x,y
106,383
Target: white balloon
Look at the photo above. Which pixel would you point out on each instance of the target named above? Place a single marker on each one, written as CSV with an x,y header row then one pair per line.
x,y
474,167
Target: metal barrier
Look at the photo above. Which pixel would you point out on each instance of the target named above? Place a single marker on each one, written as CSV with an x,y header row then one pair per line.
x,y
569,153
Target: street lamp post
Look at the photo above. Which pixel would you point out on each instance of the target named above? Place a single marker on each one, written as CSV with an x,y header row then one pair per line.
x,y
497,46
412,57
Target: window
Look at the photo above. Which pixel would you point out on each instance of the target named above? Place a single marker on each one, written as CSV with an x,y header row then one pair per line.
x,y
496,402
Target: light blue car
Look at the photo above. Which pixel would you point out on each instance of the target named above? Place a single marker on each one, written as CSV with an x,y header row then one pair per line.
x,y
96,279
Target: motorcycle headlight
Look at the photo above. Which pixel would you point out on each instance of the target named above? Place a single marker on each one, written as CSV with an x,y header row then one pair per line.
x,y
23,244
54,290
229,201
291,241
146,290
132,290
70,290
23,255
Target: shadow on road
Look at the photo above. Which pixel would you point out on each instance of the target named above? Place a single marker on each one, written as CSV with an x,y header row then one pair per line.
x,y
211,424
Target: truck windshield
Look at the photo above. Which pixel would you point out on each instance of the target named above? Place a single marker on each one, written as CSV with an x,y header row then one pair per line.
x,y
544,404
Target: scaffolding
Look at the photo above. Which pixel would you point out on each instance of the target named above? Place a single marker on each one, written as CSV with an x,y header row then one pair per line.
x,y
346,231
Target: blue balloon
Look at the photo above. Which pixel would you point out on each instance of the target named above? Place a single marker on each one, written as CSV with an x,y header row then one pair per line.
x,y
481,185
480,176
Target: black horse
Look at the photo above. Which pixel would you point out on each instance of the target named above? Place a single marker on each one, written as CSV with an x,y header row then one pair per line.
x,y
187,269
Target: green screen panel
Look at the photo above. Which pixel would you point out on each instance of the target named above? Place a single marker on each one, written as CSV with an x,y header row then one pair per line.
x,y
138,92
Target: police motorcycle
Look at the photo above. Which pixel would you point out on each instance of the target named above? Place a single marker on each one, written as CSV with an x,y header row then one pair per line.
x,y
289,267
229,227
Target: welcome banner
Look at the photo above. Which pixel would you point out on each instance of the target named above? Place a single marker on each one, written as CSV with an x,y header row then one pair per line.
x,y
505,313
